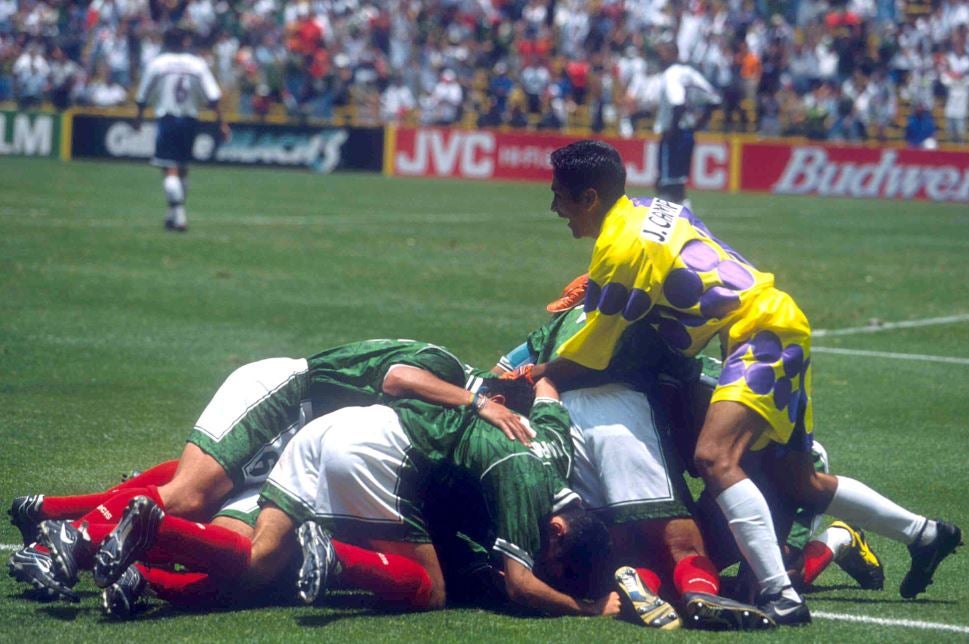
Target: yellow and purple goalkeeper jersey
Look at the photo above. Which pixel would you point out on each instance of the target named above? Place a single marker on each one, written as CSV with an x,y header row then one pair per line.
x,y
655,260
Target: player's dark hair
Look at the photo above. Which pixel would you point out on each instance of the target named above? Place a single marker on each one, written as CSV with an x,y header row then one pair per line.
x,y
174,39
590,164
584,551
519,395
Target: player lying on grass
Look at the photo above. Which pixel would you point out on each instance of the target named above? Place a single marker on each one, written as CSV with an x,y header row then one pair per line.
x,y
624,470
362,470
256,411
655,262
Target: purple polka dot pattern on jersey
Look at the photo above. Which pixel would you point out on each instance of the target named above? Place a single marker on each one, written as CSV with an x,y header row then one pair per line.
x,y
767,366
637,304
614,298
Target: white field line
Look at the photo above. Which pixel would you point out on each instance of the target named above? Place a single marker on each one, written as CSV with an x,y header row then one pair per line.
x,y
887,326
918,357
11,546
904,623
859,619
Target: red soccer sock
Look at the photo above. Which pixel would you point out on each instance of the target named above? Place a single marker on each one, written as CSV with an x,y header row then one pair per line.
x,y
72,507
650,580
157,475
108,513
221,552
185,588
817,557
696,574
390,577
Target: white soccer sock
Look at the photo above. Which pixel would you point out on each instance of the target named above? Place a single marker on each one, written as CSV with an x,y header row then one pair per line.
x,y
858,504
173,190
752,527
835,539
175,194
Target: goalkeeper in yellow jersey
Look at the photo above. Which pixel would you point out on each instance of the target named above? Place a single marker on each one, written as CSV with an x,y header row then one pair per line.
x,y
656,263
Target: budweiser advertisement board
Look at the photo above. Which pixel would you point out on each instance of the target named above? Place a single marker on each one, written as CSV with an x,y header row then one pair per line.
x,y
780,168
487,154
860,172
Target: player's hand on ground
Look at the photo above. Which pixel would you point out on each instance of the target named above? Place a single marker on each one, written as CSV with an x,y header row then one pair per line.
x,y
607,606
511,424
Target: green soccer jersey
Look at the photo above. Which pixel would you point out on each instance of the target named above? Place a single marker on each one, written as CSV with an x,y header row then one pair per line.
x,y
521,486
352,374
642,355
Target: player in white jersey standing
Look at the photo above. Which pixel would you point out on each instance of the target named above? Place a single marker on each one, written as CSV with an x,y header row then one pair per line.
x,y
176,84
685,102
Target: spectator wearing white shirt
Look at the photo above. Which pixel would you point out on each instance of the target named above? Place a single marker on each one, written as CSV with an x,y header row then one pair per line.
x,y
955,78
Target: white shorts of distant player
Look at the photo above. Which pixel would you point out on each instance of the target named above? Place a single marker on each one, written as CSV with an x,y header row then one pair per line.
x,y
344,467
620,463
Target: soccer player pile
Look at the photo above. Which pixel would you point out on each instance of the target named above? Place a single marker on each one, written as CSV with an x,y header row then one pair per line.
x,y
553,482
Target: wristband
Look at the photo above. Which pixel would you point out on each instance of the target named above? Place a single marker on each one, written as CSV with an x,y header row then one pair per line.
x,y
478,402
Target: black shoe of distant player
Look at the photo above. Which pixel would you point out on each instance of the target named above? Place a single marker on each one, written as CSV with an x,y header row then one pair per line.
x,y
25,514
31,566
926,558
121,599
133,535
784,611
70,549
716,613
320,564
640,606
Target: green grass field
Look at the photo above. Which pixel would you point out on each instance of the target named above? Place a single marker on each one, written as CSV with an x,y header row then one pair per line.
x,y
114,334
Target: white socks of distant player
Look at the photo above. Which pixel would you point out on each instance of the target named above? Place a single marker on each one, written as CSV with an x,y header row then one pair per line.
x,y
752,527
857,504
175,194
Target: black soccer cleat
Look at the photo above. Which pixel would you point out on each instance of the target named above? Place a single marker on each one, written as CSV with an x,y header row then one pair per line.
x,y
70,549
926,558
320,564
31,566
716,613
133,535
122,599
25,515
784,611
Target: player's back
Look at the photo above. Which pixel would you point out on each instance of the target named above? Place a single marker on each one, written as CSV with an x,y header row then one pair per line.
x,y
178,84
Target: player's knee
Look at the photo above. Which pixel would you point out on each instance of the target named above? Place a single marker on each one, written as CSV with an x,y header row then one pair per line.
x,y
187,501
712,463
682,538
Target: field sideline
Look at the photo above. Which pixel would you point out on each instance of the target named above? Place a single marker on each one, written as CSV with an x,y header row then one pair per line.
x,y
114,334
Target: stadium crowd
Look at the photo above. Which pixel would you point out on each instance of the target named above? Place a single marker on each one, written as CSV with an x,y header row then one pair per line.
x,y
826,69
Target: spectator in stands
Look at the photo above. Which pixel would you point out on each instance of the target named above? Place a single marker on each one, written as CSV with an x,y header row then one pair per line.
x,y
30,72
397,101
66,79
103,90
955,78
443,106
920,129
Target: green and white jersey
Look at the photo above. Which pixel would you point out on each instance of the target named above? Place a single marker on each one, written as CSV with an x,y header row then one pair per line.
x,y
522,486
352,374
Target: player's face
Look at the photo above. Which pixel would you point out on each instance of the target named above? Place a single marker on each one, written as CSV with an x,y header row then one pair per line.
x,y
572,210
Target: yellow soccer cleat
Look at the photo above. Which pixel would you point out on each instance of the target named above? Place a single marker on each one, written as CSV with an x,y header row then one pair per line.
x,y
859,561
640,606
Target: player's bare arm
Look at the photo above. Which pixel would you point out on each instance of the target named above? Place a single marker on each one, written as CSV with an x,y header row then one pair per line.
x,y
403,381
525,589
